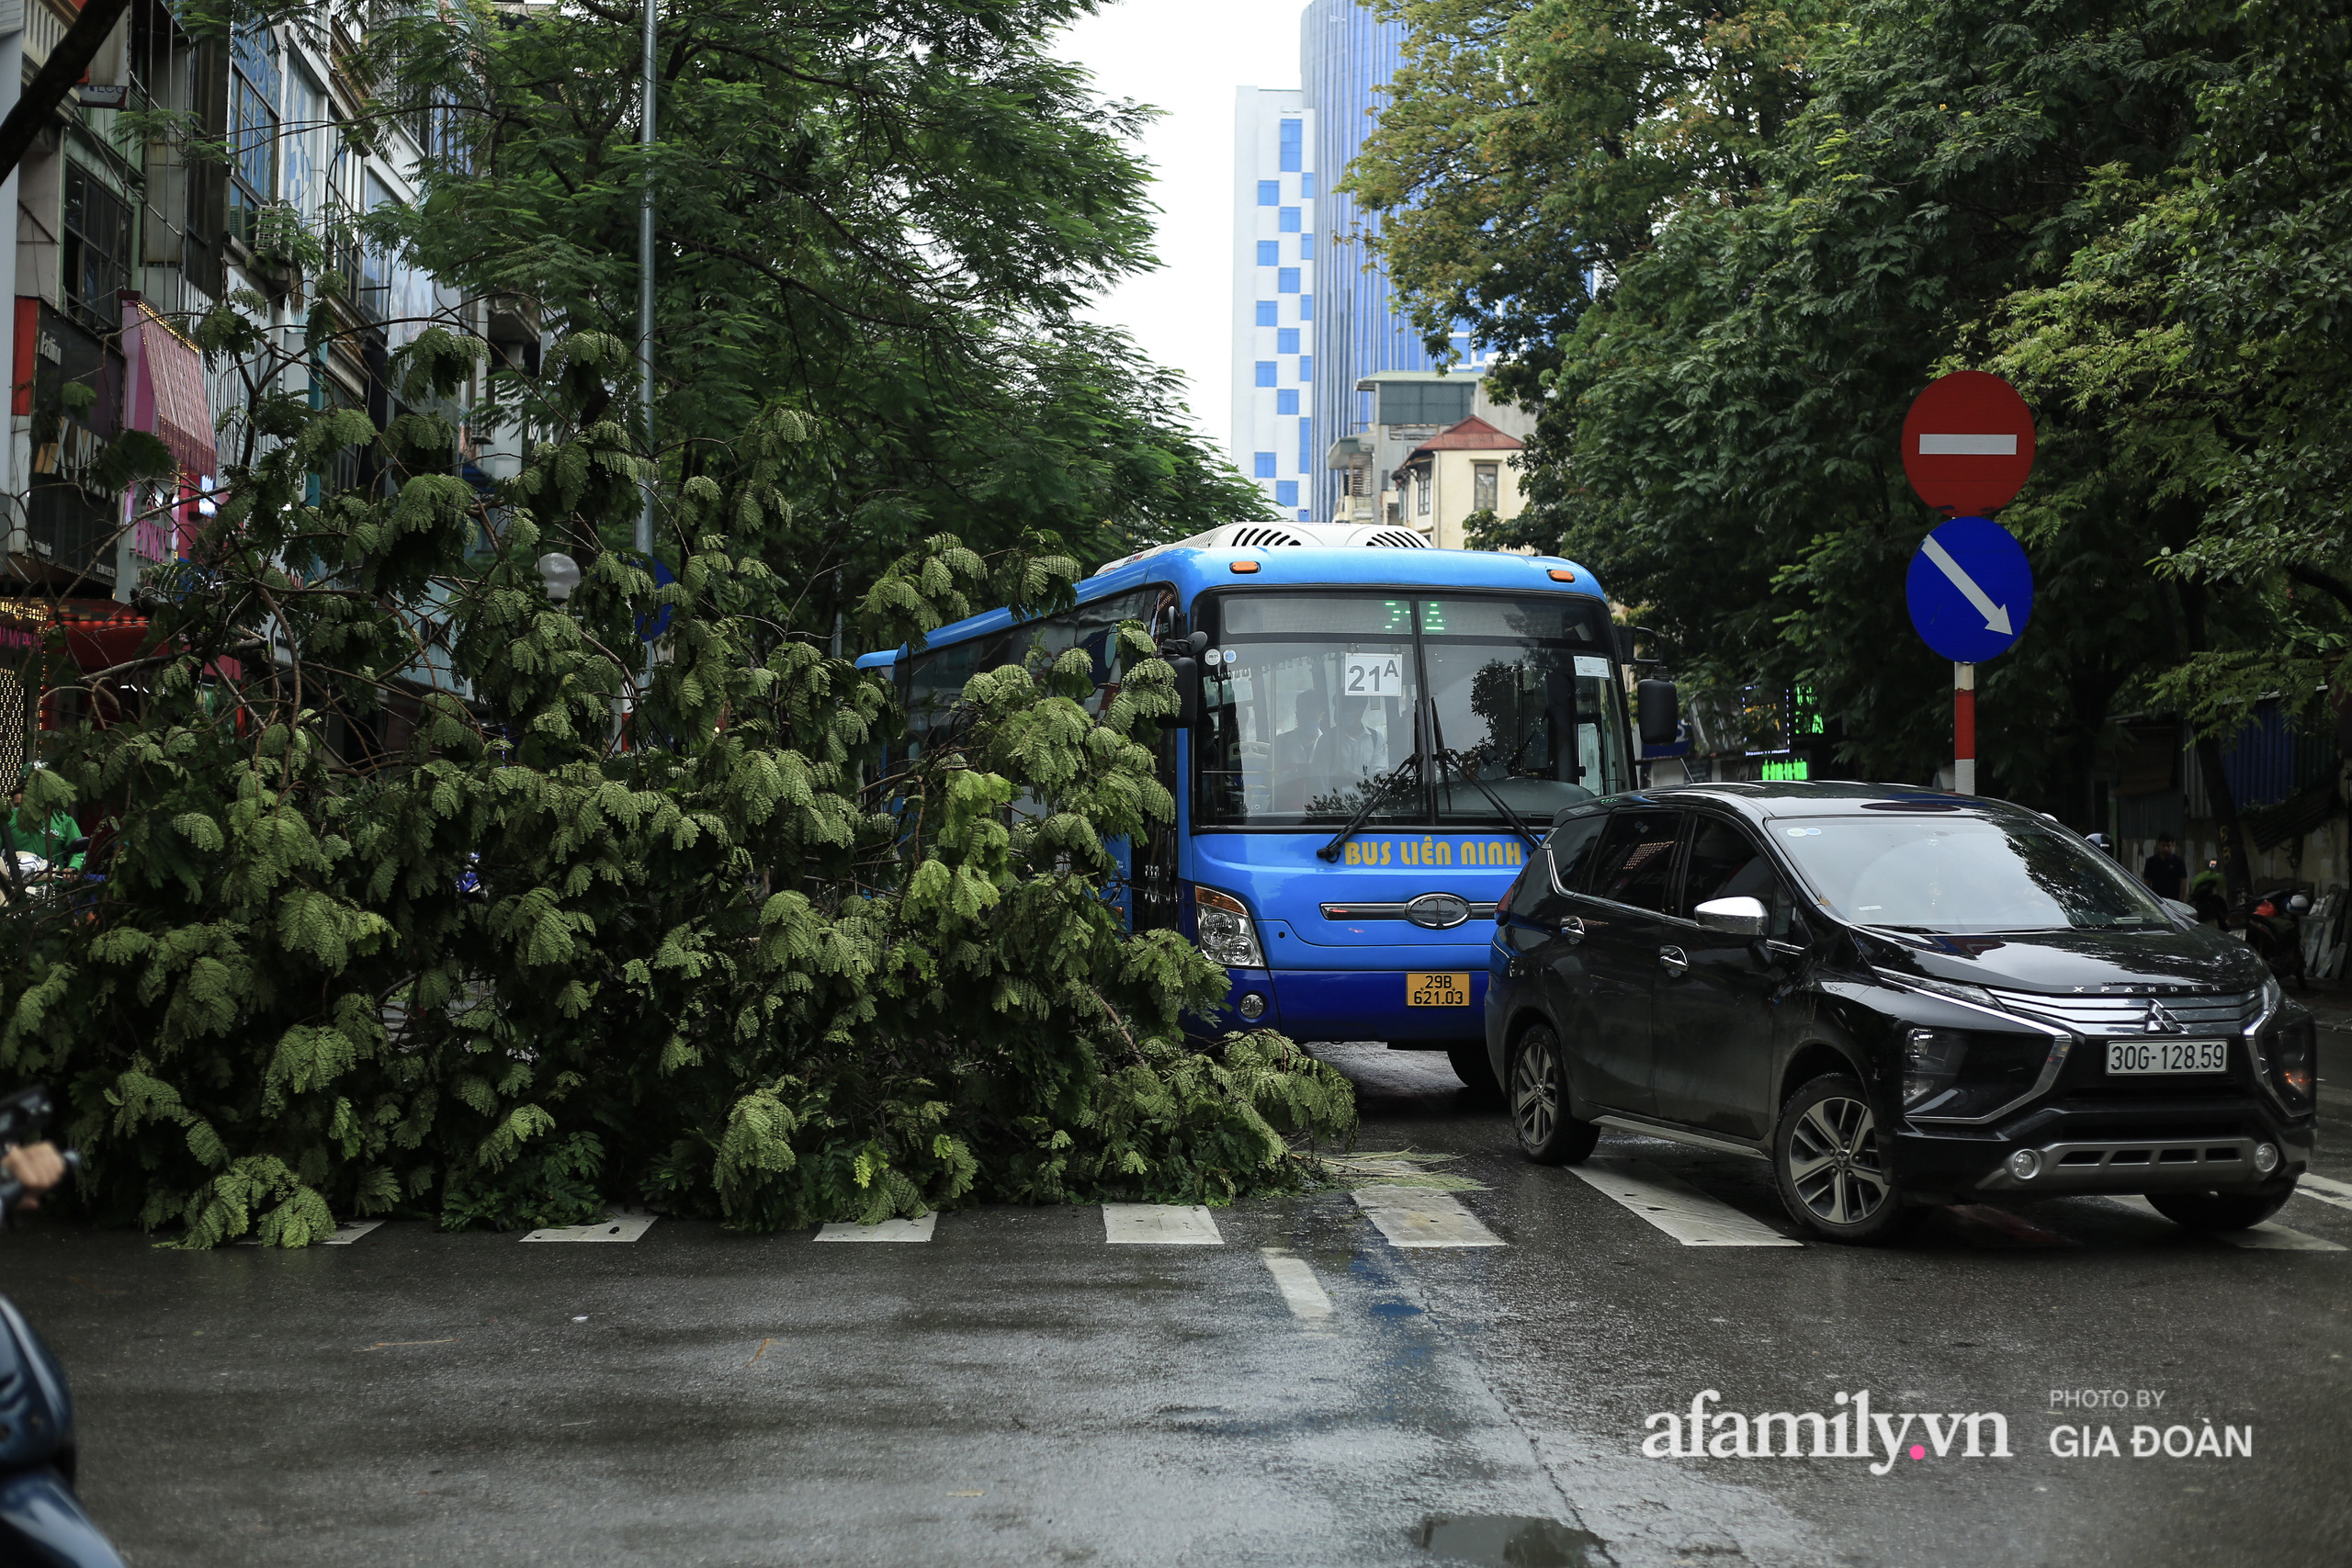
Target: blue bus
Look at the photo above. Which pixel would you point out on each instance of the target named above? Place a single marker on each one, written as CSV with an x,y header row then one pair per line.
x,y
1375,740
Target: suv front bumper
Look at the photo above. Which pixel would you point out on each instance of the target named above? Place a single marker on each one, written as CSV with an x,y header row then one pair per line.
x,y
2093,1147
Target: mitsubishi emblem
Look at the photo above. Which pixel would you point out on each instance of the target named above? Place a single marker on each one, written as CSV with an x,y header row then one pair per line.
x,y
2161,1022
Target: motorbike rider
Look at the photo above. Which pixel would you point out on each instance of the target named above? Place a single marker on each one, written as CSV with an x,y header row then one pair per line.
x,y
37,1166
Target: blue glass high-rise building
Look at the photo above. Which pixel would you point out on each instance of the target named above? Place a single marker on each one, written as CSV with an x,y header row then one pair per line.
x,y
1347,54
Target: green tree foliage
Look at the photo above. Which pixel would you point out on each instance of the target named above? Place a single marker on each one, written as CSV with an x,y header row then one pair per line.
x,y
2123,206
430,895
888,214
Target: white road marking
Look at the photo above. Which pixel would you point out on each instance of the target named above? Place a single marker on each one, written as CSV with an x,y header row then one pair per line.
x,y
882,1230
349,1231
2325,1189
1160,1224
1676,1207
1972,445
612,1227
2267,1237
1415,1217
1293,1276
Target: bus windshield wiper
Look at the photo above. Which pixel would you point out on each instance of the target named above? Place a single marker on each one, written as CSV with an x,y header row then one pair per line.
x,y
1468,766
1407,770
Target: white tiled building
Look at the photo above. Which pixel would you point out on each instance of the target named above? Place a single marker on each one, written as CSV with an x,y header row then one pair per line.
x,y
1274,297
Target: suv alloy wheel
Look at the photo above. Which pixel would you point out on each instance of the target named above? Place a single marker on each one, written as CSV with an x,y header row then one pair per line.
x,y
1830,1165
1539,1102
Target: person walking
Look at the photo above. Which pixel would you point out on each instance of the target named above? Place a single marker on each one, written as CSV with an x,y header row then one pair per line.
x,y
2166,872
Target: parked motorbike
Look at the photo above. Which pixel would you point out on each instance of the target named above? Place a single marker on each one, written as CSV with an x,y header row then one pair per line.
x,y
41,1521
2274,928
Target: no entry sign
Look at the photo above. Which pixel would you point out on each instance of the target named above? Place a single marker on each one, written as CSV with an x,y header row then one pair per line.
x,y
1968,443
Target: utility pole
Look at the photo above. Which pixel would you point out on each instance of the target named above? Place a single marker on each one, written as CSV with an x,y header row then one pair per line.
x,y
645,296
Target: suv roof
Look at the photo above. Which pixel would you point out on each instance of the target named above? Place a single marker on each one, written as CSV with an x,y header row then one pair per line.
x,y
1793,797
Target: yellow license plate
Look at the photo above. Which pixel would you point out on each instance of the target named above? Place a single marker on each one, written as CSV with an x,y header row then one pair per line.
x,y
1437,988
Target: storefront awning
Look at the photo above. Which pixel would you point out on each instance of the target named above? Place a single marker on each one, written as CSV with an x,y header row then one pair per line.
x,y
167,394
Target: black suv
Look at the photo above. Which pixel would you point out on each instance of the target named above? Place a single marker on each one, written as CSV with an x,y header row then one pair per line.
x,y
1898,997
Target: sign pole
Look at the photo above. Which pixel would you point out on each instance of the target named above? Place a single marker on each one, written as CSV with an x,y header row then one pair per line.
x,y
1964,728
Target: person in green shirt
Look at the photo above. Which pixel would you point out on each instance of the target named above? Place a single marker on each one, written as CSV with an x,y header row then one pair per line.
x,y
35,836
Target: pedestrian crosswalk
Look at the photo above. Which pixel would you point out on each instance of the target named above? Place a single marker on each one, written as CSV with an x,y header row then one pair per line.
x,y
1673,1203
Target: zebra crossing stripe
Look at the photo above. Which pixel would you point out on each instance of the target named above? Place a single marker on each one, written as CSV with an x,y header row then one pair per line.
x,y
1676,1207
1415,1217
612,1227
2325,1189
1304,1294
1160,1224
2267,1237
882,1230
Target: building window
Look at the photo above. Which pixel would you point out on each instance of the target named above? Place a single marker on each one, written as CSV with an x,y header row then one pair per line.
x,y
1265,372
96,253
1306,447
1305,516
1421,492
1265,313
1285,492
1270,252
1286,280
1306,368
1306,247
1285,340
1307,307
1306,188
1270,192
1286,400
1486,484
1286,220
1265,470
253,125
1293,141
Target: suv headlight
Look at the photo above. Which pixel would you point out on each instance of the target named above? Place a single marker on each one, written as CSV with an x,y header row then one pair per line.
x,y
1226,932
1931,1059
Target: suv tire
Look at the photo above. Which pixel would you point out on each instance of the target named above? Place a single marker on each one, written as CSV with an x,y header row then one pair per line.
x,y
1539,1102
2222,1210
1830,1165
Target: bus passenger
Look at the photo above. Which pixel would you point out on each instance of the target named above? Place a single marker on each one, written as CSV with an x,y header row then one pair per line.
x,y
1294,751
1350,751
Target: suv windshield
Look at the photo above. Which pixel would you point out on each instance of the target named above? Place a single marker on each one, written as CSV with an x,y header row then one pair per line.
x,y
1312,703
1963,874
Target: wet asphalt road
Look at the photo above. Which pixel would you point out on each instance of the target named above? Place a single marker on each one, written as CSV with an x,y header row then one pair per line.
x,y
1017,1390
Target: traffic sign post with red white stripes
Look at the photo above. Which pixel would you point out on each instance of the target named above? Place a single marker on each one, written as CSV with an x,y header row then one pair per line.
x,y
1967,449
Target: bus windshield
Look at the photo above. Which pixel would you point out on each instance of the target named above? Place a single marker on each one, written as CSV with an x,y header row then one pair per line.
x,y
1315,704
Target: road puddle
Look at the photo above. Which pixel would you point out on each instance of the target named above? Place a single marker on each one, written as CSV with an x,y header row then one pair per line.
x,y
1505,1540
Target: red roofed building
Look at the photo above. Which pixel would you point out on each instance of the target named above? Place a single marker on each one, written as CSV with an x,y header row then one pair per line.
x,y
1464,469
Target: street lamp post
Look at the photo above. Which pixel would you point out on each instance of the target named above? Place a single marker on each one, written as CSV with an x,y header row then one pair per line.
x,y
645,287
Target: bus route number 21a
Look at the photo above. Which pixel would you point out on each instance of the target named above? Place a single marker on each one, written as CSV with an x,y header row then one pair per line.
x,y
1375,675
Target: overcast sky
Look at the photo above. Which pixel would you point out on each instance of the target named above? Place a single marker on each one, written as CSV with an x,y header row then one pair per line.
x,y
1186,57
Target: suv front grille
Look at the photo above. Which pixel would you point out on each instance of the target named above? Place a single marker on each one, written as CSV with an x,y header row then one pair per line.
x,y
2210,1012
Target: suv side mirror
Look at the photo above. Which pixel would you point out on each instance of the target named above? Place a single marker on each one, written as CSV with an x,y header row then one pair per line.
x,y
1734,917
1658,712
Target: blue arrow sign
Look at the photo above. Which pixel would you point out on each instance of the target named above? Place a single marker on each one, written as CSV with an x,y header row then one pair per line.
x,y
1970,590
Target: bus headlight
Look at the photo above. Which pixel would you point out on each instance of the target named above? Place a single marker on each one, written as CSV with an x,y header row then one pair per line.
x,y
1226,932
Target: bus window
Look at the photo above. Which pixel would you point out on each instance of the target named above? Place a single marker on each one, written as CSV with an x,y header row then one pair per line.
x,y
1524,692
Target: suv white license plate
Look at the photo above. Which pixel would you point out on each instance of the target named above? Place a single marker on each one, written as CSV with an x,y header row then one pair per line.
x,y
2127,1058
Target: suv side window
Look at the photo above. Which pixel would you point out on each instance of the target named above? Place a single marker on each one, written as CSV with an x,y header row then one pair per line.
x,y
1724,862
1636,861
1570,850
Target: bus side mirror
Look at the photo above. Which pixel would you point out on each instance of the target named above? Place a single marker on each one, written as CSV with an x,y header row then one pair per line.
x,y
1658,709
1188,690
